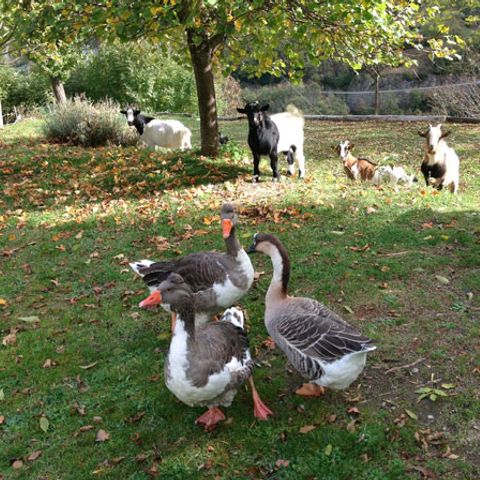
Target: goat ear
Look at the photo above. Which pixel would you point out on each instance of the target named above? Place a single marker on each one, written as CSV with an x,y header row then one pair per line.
x,y
241,110
350,146
422,134
446,134
136,112
124,112
265,107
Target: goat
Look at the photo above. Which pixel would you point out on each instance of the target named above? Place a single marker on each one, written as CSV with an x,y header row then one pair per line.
x,y
159,133
440,165
354,167
222,139
366,170
270,135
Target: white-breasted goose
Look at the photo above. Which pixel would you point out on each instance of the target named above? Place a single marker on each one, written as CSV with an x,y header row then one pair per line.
x,y
218,280
321,346
206,364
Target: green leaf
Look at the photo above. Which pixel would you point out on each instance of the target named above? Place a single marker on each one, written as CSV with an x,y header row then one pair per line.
x,y
440,393
443,280
423,390
44,424
433,397
32,319
411,414
448,386
328,450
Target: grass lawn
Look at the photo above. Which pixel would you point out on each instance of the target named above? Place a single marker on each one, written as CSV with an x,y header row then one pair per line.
x,y
79,357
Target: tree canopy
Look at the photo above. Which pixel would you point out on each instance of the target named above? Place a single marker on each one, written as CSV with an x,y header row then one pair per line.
x,y
259,35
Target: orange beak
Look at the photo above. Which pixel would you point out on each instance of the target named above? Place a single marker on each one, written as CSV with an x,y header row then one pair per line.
x,y
155,298
227,226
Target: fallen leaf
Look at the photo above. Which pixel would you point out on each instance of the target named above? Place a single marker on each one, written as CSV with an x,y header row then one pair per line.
x,y
353,411
31,319
87,367
282,463
307,428
442,279
34,455
17,464
2,302
102,436
331,418
351,426
97,419
328,450
44,424
348,309
412,415
10,339
2,394
86,428
49,363
2,419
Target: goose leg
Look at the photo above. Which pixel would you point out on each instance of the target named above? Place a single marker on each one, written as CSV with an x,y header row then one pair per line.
x,y
260,410
210,418
310,390
174,321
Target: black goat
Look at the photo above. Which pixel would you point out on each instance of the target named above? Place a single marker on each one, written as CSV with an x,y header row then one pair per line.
x,y
280,133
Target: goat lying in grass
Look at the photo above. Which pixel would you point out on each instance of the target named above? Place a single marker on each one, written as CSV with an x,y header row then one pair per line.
x,y
366,170
355,168
440,165
159,133
271,135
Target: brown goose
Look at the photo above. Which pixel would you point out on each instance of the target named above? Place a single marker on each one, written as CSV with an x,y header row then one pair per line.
x,y
322,346
218,280
206,364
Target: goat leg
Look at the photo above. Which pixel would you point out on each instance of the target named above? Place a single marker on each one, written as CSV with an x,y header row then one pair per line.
x,y
274,165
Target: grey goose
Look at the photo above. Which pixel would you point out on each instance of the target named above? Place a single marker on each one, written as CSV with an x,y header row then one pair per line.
x,y
218,280
206,364
321,346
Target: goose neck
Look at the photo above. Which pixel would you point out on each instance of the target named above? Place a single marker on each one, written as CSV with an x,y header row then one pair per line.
x,y
281,271
232,243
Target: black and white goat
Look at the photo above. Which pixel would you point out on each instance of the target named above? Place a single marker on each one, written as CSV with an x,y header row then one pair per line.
x,y
440,166
159,133
271,135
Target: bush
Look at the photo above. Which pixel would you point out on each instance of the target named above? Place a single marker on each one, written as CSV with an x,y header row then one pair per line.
x,y
135,74
23,88
81,122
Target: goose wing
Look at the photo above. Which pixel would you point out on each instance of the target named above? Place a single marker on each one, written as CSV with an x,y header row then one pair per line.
x,y
199,270
219,345
319,335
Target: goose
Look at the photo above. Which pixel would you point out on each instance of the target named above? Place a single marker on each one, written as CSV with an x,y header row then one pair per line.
x,y
206,364
218,280
321,346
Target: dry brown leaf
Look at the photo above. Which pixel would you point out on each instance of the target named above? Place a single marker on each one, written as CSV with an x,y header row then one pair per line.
x,y
307,428
86,428
282,463
2,419
17,464
331,418
102,436
353,411
34,455
10,339
49,363
87,367
351,426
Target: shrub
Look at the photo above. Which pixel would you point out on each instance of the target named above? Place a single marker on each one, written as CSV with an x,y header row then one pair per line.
x,y
135,74
81,122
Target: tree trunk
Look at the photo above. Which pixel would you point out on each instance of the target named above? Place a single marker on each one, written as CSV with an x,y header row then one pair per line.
x,y
1,114
377,94
201,55
58,89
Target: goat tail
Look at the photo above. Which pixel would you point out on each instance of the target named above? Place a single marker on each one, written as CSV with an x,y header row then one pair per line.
x,y
292,109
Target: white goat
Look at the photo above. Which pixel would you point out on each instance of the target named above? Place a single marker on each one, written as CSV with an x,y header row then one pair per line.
x,y
441,166
393,175
159,133
290,127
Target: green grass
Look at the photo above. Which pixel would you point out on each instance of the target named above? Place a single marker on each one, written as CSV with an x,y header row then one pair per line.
x,y
71,218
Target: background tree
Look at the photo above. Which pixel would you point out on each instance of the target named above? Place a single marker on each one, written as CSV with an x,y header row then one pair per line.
x,y
273,36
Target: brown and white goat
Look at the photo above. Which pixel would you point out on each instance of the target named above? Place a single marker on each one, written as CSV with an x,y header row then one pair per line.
x,y
366,170
355,168
440,165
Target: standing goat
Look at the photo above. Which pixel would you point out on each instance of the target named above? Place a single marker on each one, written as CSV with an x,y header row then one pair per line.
x,y
270,135
159,133
440,165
